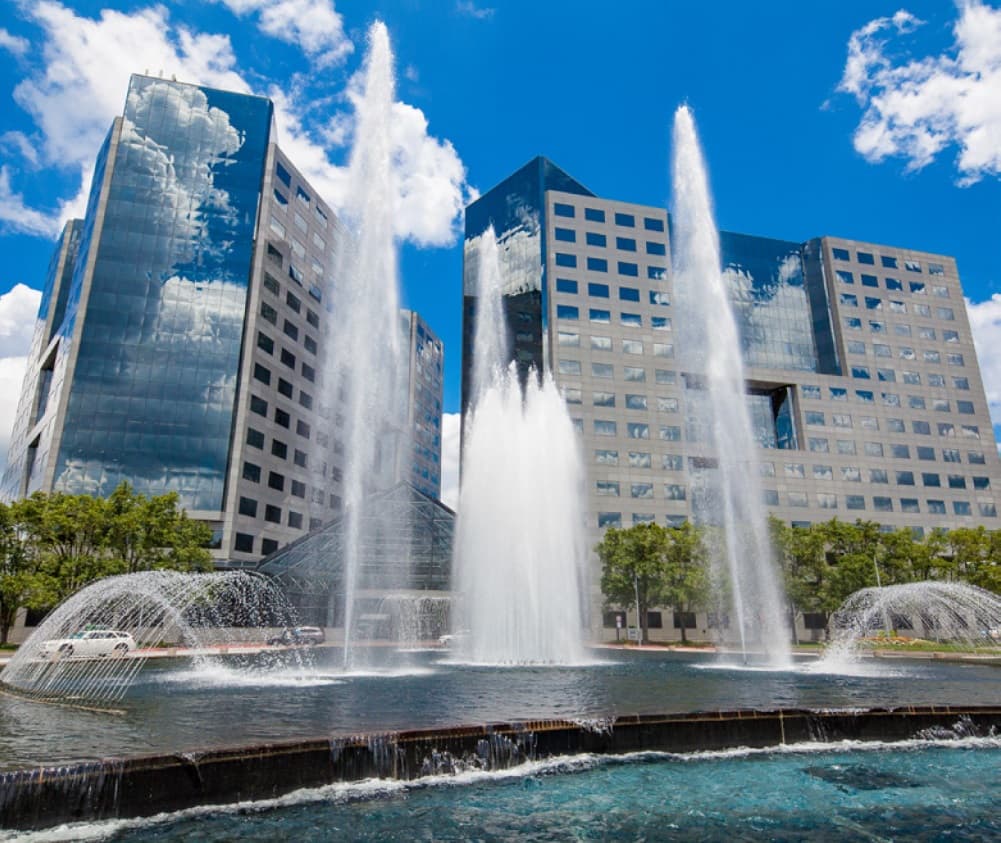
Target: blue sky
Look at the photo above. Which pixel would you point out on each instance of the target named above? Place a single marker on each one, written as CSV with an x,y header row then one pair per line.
x,y
845,118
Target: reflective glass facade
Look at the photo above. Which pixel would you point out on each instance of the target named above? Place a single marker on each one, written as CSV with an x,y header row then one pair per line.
x,y
516,210
155,374
770,299
182,336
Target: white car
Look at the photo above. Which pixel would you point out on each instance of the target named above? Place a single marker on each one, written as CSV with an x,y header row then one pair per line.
x,y
89,644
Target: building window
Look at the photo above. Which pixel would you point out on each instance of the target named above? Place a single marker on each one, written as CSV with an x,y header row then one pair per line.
x,y
566,260
636,430
600,316
566,235
251,472
625,220
561,209
598,291
248,507
243,543
255,438
597,265
566,285
625,244
593,238
279,449
629,269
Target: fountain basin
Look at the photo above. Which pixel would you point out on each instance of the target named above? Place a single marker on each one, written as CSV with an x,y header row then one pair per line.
x,y
143,786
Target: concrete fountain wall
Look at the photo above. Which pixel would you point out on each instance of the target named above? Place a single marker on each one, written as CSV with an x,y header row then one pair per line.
x,y
143,786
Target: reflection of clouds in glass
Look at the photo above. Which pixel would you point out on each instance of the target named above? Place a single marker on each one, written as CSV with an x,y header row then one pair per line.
x,y
791,269
158,378
519,250
773,315
171,134
193,314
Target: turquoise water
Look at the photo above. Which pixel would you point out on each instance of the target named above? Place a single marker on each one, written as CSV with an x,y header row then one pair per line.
x,y
915,791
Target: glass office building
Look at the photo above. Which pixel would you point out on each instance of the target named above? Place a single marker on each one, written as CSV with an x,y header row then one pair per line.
x,y
182,327
863,382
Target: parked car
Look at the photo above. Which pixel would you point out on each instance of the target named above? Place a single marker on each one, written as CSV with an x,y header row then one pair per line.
x,y
299,636
89,644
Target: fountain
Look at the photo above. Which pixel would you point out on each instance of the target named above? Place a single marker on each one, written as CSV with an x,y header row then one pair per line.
x,y
950,613
198,613
364,369
520,554
732,496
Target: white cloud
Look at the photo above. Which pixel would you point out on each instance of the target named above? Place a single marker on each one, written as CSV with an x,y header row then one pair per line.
x,y
20,143
470,9
18,309
73,100
11,375
985,322
16,216
451,424
313,25
13,44
918,108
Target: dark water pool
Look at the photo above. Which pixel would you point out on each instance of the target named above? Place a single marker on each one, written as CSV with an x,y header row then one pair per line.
x,y
176,706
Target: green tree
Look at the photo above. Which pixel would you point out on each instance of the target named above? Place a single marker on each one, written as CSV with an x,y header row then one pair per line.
x,y
146,534
686,575
801,555
975,555
21,584
632,568
68,541
852,556
67,536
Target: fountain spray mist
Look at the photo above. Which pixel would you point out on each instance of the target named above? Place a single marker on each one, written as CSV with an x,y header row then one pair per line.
x,y
520,555
365,367
713,348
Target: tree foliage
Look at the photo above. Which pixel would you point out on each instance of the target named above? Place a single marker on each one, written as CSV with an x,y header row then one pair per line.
x,y
650,565
51,545
821,565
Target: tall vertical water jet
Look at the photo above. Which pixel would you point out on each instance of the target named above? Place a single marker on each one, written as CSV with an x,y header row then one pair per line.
x,y
490,335
520,555
365,367
712,348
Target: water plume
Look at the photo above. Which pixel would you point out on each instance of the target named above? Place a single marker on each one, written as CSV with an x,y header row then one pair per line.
x,y
364,370
718,404
520,555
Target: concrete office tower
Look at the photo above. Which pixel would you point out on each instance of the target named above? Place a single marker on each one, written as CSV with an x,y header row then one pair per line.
x,y
862,379
425,384
182,326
